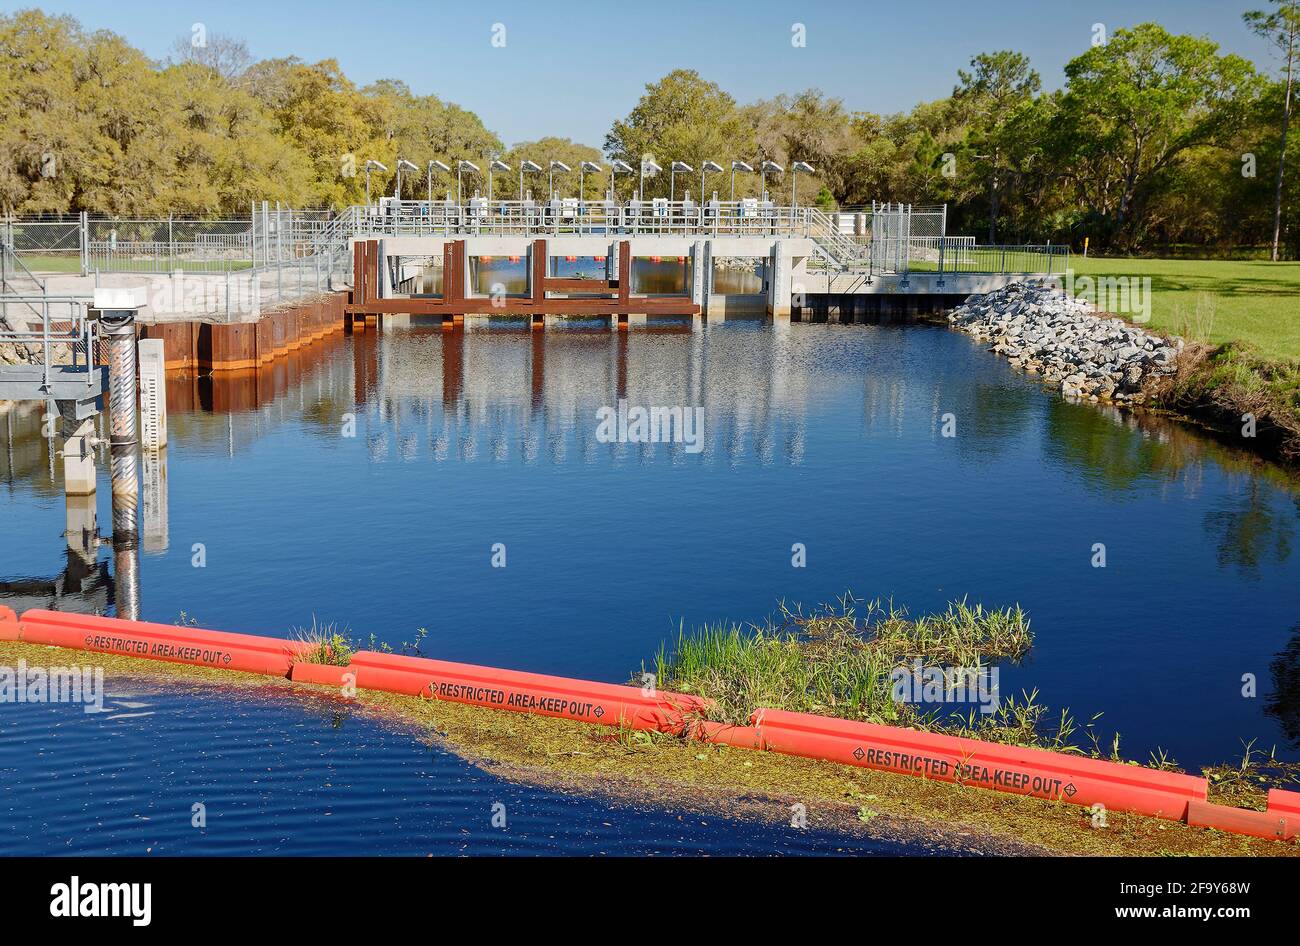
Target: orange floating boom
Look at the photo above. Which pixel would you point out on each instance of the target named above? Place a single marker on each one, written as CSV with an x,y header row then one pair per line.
x,y
1035,772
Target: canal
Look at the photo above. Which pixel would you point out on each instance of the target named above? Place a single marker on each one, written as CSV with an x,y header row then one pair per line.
x,y
378,481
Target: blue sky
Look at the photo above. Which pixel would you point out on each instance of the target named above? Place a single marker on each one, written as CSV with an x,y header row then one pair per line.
x,y
570,69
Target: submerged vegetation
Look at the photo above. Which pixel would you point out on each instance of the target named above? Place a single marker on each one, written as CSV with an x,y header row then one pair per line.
x,y
1245,784
657,769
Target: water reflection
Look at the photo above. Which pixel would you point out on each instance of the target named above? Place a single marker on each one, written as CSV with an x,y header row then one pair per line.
x,y
436,393
1284,702
1250,528
424,440
84,586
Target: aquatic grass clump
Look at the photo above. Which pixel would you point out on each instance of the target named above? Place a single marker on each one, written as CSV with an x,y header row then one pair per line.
x,y
1245,784
326,644
838,660
1026,722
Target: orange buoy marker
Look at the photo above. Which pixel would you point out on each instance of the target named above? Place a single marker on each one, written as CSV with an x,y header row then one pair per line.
x,y
1272,824
8,624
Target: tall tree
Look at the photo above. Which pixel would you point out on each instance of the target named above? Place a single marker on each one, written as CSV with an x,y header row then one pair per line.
x,y
682,117
1135,105
1281,27
226,56
542,152
808,126
998,84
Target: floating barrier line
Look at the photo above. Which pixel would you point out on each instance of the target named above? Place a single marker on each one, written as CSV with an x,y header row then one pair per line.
x,y
270,656
1041,773
1038,773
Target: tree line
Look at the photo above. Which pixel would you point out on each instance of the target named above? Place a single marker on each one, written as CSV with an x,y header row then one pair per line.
x,y
1155,141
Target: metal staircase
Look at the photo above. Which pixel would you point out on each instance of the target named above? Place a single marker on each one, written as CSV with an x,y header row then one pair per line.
x,y
841,252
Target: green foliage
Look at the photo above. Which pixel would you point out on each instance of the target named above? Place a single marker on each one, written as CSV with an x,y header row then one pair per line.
x,y
1136,105
542,152
1143,148
836,660
203,135
326,644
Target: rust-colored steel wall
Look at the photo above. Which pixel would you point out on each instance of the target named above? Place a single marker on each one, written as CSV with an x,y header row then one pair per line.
x,y
235,346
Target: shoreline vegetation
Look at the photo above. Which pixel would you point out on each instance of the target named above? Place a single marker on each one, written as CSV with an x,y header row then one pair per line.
x,y
1242,356
835,660
1236,374
1231,389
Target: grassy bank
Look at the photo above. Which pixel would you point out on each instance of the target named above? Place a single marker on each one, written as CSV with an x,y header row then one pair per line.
x,y
52,264
841,660
1248,303
1243,317
1228,384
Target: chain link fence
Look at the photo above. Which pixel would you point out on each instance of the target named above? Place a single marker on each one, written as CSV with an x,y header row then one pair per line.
x,y
85,244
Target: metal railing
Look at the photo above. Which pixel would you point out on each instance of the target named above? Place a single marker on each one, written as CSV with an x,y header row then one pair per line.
x,y
573,217
1028,258
276,249
63,318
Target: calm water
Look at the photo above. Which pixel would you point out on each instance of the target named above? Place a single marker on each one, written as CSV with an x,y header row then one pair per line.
x,y
306,777
824,435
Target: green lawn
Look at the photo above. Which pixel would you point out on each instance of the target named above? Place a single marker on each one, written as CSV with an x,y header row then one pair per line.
x,y
1216,301
50,263
47,263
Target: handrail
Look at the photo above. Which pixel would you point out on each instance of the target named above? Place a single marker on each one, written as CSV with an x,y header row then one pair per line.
x,y
77,334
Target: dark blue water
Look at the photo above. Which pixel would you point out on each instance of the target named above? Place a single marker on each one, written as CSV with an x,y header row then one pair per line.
x,y
825,435
304,776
